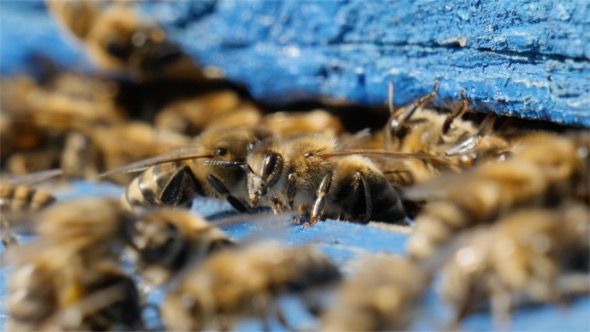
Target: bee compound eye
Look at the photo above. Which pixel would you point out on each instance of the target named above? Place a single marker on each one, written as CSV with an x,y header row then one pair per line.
x,y
271,162
116,49
139,39
220,152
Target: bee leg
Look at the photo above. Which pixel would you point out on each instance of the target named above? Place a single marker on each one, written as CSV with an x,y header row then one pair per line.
x,y
456,113
463,307
301,214
223,191
573,284
318,207
8,239
397,123
291,189
282,319
471,142
501,301
181,189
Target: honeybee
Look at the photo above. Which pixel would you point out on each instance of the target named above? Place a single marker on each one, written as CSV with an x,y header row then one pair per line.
x,y
530,255
285,124
417,129
176,178
17,135
215,110
166,240
536,166
48,293
384,295
241,283
18,198
67,101
37,117
92,229
298,173
163,240
117,39
90,152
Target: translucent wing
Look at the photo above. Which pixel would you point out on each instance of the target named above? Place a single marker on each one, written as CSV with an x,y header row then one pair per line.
x,y
374,153
33,178
185,153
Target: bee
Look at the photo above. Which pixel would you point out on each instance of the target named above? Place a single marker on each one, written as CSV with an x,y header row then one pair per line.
x,y
67,101
285,124
89,228
167,240
17,135
45,113
176,178
417,129
18,198
49,293
215,110
117,39
244,282
536,165
537,255
161,242
384,295
94,150
298,173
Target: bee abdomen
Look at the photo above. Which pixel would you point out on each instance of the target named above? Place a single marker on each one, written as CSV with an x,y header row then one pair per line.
x,y
20,198
387,205
163,185
434,226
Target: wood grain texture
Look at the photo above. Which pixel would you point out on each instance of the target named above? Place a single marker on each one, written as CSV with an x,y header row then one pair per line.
x,y
522,58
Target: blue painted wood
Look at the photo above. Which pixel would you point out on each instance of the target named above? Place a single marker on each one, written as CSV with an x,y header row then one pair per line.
x,y
523,58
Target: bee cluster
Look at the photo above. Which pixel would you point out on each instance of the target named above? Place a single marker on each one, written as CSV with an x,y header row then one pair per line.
x,y
500,214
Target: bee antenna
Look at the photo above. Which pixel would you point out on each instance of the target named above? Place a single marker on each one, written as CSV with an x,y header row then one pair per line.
x,y
390,97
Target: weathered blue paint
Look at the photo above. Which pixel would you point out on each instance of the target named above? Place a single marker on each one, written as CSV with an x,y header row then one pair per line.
x,y
522,58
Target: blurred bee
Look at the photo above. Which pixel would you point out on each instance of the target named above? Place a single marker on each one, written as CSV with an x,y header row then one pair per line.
x,y
530,255
285,124
45,113
117,39
51,293
166,240
241,283
307,173
384,295
18,135
19,198
94,150
176,178
540,168
162,241
416,129
66,101
68,277
216,110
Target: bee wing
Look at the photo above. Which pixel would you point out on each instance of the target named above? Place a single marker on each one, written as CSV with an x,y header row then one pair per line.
x,y
184,153
436,188
33,178
356,140
436,160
